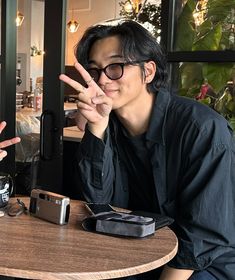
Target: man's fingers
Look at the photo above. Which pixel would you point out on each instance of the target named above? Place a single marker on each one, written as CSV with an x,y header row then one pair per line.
x,y
80,121
2,154
92,87
9,142
78,87
84,106
104,104
86,76
101,99
2,126
88,79
6,143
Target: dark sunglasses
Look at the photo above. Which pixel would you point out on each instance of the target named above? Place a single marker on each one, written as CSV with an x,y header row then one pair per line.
x,y
113,71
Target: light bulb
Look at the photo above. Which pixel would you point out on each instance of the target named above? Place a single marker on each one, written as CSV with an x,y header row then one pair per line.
x,y
19,19
128,7
72,26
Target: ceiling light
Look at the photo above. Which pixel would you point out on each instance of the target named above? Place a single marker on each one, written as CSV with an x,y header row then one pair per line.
x,y
72,26
19,19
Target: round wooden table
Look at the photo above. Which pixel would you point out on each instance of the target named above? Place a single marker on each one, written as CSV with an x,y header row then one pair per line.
x,y
36,249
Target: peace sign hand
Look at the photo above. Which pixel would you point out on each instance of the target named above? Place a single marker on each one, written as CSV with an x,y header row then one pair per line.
x,y
94,106
6,143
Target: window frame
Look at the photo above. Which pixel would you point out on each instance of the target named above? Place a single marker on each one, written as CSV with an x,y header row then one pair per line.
x,y
168,35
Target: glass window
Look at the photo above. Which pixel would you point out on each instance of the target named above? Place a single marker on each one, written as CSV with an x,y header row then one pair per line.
x,y
0,27
201,52
148,13
205,25
210,83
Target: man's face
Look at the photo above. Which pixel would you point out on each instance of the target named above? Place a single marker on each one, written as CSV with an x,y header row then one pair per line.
x,y
125,90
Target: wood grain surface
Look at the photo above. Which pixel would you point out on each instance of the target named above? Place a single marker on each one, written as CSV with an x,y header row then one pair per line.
x,y
72,133
36,249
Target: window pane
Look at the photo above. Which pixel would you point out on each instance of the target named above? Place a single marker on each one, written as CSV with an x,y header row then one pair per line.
x,y
0,26
210,83
205,25
147,13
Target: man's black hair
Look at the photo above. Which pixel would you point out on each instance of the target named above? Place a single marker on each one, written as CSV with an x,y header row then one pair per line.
x,y
137,44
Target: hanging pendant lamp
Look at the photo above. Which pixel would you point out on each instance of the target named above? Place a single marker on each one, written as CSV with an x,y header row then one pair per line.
x,y
72,26
19,19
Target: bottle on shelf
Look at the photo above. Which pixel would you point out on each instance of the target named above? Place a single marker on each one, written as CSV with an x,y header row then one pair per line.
x,y
31,85
37,97
30,94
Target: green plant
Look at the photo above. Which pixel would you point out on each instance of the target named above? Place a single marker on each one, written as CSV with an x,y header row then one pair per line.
x,y
216,32
147,13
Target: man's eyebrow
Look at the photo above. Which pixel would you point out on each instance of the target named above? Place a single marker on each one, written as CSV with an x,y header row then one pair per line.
x,y
112,56
116,56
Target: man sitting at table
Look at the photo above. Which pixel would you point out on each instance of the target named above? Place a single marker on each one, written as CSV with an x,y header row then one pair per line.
x,y
146,149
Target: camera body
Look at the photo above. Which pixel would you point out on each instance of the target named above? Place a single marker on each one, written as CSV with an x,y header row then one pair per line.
x,y
49,206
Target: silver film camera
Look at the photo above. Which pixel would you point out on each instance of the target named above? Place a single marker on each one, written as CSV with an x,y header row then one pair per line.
x,y
49,206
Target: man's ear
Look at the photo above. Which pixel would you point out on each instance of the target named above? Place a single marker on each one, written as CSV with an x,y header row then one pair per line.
x,y
150,71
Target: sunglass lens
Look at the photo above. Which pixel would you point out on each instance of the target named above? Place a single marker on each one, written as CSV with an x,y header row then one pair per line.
x,y
94,74
114,71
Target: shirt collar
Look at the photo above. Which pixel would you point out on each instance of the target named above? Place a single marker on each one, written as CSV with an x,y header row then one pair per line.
x,y
156,130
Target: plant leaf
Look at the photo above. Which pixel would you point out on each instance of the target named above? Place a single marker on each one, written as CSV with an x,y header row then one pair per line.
x,y
218,10
210,41
217,74
191,74
186,33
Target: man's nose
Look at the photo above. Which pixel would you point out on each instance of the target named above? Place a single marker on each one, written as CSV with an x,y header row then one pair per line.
x,y
103,79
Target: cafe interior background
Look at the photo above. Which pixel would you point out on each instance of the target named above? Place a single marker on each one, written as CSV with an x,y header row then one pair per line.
x,y
199,38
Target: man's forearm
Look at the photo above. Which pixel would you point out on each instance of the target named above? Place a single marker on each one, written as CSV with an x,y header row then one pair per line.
x,y
170,273
99,129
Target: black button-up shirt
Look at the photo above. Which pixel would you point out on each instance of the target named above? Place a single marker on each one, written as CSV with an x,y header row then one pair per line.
x,y
193,166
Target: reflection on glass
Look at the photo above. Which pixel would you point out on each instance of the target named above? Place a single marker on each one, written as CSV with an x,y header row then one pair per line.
x,y
146,13
0,28
205,25
29,70
210,83
19,19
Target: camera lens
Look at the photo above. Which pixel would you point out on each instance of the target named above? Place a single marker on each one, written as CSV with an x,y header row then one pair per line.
x,y
33,205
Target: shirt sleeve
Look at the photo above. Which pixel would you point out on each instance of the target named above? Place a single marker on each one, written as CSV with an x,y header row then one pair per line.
x,y
205,222
95,167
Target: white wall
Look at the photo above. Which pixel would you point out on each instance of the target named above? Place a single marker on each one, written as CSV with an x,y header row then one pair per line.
x,y
23,41
87,13
30,33
37,34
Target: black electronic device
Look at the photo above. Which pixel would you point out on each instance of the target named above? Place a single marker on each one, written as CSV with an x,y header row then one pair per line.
x,y
96,208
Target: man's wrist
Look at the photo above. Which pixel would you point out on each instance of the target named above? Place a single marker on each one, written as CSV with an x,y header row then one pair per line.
x,y
98,129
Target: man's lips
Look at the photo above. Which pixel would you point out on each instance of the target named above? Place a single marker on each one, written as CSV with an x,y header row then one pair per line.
x,y
110,92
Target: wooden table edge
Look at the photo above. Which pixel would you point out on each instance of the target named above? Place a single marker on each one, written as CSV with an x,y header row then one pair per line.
x,y
117,273
91,275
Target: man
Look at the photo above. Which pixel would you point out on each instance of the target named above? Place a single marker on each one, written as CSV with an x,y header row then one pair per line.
x,y
6,143
145,149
